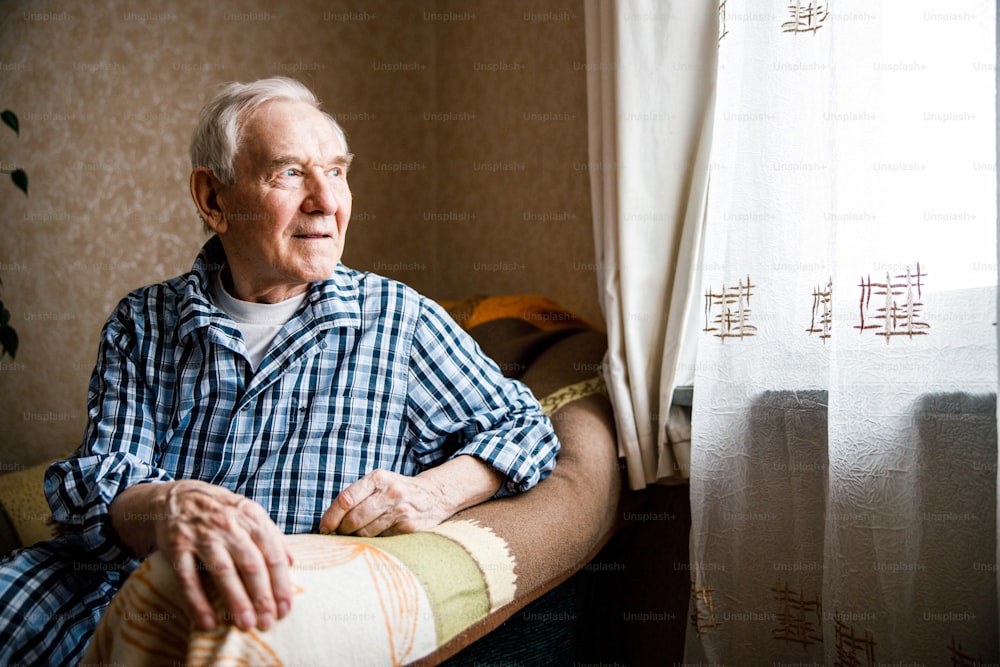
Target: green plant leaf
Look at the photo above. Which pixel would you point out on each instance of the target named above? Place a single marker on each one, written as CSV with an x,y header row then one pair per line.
x,y
8,341
20,179
4,316
10,120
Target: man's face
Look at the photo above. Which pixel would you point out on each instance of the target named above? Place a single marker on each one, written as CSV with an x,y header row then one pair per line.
x,y
285,217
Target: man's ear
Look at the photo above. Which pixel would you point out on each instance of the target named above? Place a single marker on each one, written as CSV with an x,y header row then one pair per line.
x,y
205,190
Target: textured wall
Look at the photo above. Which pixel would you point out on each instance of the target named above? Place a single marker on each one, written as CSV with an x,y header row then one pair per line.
x,y
468,120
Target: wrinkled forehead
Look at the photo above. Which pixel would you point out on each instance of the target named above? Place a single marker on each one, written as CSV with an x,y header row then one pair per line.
x,y
284,128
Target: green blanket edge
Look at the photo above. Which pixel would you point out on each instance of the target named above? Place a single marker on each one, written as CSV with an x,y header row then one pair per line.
x,y
449,575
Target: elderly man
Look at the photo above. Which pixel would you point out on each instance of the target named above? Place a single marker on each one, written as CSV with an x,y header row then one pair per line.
x,y
270,390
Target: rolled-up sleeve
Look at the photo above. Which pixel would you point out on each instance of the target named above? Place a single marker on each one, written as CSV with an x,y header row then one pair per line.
x,y
460,403
119,445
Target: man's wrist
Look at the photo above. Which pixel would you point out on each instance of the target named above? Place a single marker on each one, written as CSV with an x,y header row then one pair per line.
x,y
135,514
465,481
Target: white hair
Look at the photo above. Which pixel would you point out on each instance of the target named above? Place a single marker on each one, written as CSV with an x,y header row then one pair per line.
x,y
217,135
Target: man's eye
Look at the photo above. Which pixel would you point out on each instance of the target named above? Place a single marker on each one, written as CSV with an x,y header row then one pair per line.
x,y
290,172
337,172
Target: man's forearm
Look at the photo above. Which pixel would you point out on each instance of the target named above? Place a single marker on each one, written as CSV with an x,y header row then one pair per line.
x,y
465,481
387,503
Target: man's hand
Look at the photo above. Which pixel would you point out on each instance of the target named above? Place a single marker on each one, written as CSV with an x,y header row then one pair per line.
x,y
387,503
200,526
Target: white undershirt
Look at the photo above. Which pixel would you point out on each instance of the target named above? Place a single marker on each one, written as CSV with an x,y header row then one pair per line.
x,y
258,322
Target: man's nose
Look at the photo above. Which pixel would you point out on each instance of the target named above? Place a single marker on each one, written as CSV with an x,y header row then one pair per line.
x,y
322,197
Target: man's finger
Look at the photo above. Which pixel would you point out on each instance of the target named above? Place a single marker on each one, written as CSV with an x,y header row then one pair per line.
x,y
187,574
346,501
383,524
254,575
281,580
229,584
366,516
265,566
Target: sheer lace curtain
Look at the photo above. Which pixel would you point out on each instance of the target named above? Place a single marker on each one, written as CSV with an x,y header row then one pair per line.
x,y
843,453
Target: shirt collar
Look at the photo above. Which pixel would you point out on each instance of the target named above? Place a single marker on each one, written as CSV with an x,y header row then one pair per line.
x,y
333,302
336,302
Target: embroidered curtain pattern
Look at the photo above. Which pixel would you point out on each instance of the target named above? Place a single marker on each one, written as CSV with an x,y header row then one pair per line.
x,y
844,465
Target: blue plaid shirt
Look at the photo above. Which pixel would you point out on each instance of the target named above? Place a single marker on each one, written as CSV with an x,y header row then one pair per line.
x,y
367,374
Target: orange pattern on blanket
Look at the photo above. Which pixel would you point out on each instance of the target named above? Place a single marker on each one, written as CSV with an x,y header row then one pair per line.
x,y
148,616
542,312
228,646
158,629
397,588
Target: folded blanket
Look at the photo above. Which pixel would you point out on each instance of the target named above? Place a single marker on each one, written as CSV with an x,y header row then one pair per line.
x,y
382,601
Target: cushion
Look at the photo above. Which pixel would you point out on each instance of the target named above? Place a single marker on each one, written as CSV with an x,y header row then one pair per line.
x,y
24,513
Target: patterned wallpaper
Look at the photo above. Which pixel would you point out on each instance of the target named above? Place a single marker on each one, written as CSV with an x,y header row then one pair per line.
x,y
467,119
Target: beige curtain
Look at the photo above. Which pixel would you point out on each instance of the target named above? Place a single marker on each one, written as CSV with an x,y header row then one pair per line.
x,y
651,67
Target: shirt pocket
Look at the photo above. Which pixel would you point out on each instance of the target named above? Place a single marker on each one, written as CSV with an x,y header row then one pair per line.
x,y
354,416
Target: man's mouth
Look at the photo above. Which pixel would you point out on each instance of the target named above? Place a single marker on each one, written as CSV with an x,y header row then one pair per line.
x,y
312,236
